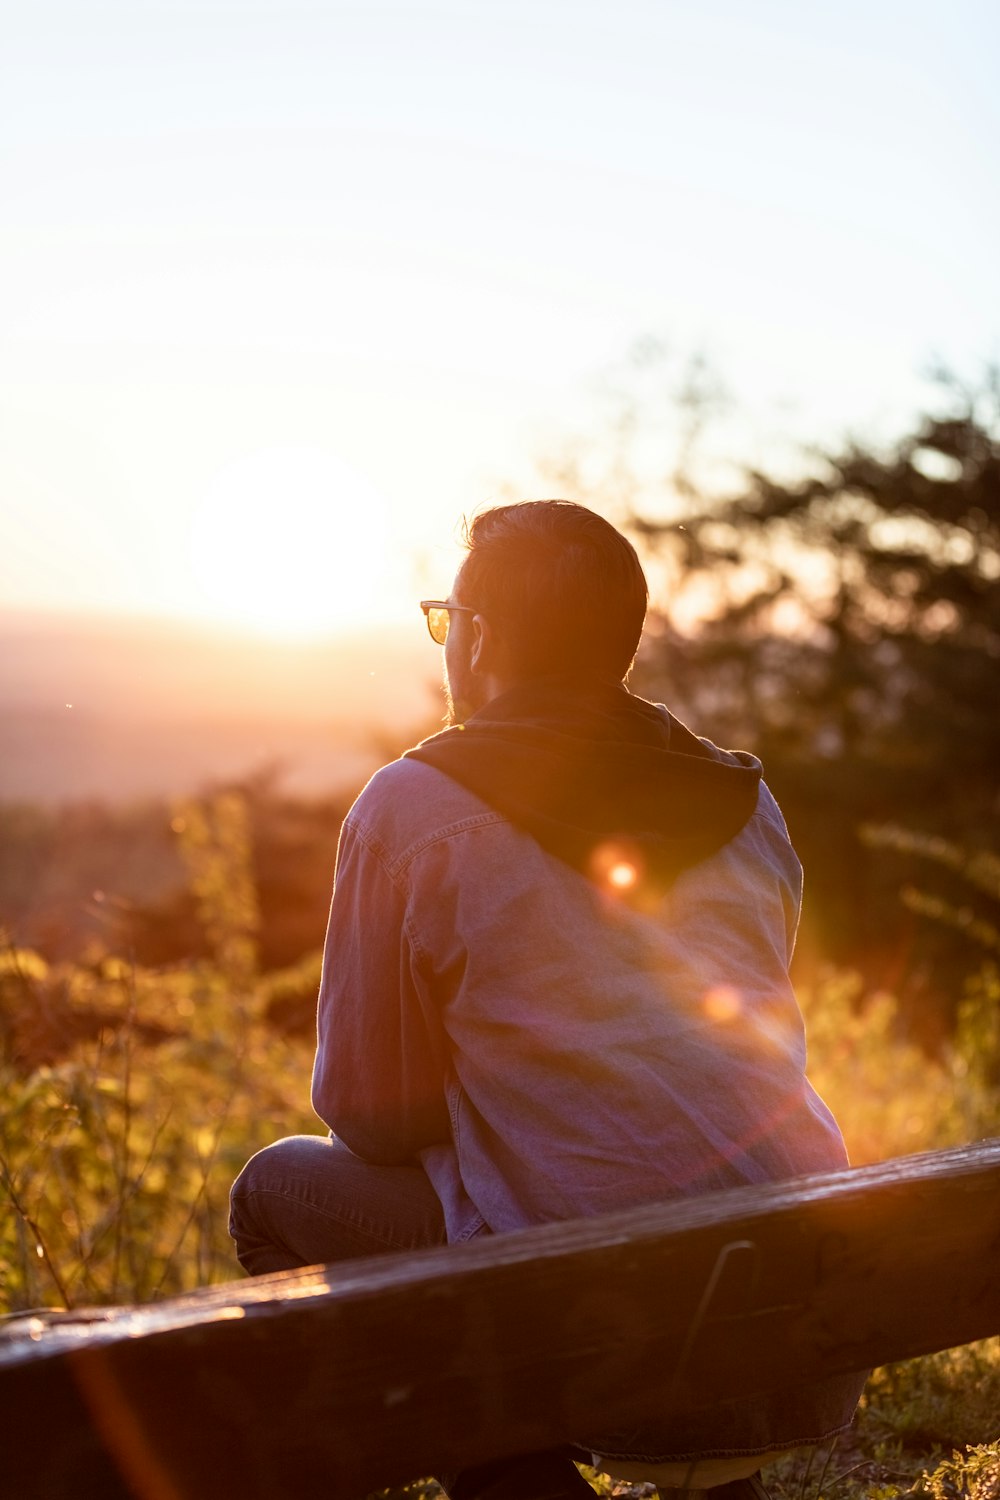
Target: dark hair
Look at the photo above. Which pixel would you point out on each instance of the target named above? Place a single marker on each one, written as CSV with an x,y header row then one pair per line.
x,y
564,590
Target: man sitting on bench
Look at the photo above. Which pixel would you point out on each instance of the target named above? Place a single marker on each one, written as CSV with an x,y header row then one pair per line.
x,y
555,980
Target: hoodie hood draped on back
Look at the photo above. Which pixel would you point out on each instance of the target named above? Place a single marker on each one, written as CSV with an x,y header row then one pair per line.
x,y
589,768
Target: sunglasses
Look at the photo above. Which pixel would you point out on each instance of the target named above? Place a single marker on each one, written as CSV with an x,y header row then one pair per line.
x,y
438,612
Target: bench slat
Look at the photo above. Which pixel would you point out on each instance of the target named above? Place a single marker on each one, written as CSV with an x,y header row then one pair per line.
x,y
346,1379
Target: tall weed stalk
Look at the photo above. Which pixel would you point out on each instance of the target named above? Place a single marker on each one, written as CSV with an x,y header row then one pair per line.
x,y
117,1151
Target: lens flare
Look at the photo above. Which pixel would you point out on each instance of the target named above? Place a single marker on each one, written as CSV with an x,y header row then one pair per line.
x,y
616,866
722,1003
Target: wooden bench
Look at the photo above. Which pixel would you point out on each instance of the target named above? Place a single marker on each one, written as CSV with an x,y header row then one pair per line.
x,y
336,1381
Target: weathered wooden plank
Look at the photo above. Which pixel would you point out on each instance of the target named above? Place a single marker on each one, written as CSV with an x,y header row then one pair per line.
x,y
340,1380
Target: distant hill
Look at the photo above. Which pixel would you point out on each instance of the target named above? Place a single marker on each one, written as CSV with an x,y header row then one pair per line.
x,y
121,708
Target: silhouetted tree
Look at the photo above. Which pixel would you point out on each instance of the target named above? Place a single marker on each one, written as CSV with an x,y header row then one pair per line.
x,y
851,634
854,613
844,622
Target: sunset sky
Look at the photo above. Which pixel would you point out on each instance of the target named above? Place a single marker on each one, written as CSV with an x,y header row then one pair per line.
x,y
287,286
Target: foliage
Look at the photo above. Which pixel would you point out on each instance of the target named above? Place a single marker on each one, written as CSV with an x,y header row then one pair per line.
x,y
850,632
943,1401
974,1475
853,610
216,845
975,875
117,1159
889,1096
91,878
919,1429
131,1097
835,610
117,1153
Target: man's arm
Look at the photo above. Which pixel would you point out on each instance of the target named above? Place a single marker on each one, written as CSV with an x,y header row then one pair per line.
x,y
378,1077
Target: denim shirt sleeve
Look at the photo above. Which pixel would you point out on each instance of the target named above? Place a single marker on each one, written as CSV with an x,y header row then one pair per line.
x,y
378,1076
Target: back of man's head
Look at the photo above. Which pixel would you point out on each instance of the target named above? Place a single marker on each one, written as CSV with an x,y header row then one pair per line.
x,y
563,589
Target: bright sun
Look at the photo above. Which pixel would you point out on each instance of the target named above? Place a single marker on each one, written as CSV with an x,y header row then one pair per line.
x,y
290,541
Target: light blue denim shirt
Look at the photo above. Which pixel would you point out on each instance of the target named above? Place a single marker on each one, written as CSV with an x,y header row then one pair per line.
x,y
542,1048
548,1052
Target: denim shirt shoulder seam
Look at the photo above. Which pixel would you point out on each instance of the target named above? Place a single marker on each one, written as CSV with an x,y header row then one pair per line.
x,y
376,848
401,864
395,868
486,819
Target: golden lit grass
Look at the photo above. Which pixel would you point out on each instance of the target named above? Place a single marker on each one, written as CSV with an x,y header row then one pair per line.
x,y
116,1155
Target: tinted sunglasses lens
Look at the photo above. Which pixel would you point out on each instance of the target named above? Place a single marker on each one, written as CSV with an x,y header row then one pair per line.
x,y
437,624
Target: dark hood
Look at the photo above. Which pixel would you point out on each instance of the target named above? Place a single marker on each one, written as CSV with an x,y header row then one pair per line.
x,y
597,775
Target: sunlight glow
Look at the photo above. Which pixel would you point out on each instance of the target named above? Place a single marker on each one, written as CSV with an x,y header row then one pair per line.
x,y
290,541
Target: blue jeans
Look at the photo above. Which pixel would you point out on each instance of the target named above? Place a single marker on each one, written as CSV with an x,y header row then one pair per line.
x,y
307,1199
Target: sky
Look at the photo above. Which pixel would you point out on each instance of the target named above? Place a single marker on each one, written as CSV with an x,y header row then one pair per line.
x,y
286,287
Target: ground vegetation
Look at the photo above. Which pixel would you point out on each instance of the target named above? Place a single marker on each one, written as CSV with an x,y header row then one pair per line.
x,y
131,1095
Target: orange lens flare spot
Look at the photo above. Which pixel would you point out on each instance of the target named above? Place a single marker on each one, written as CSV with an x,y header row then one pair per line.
x,y
616,866
722,1003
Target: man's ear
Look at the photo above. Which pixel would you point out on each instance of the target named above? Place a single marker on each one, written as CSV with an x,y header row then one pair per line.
x,y
481,655
488,658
